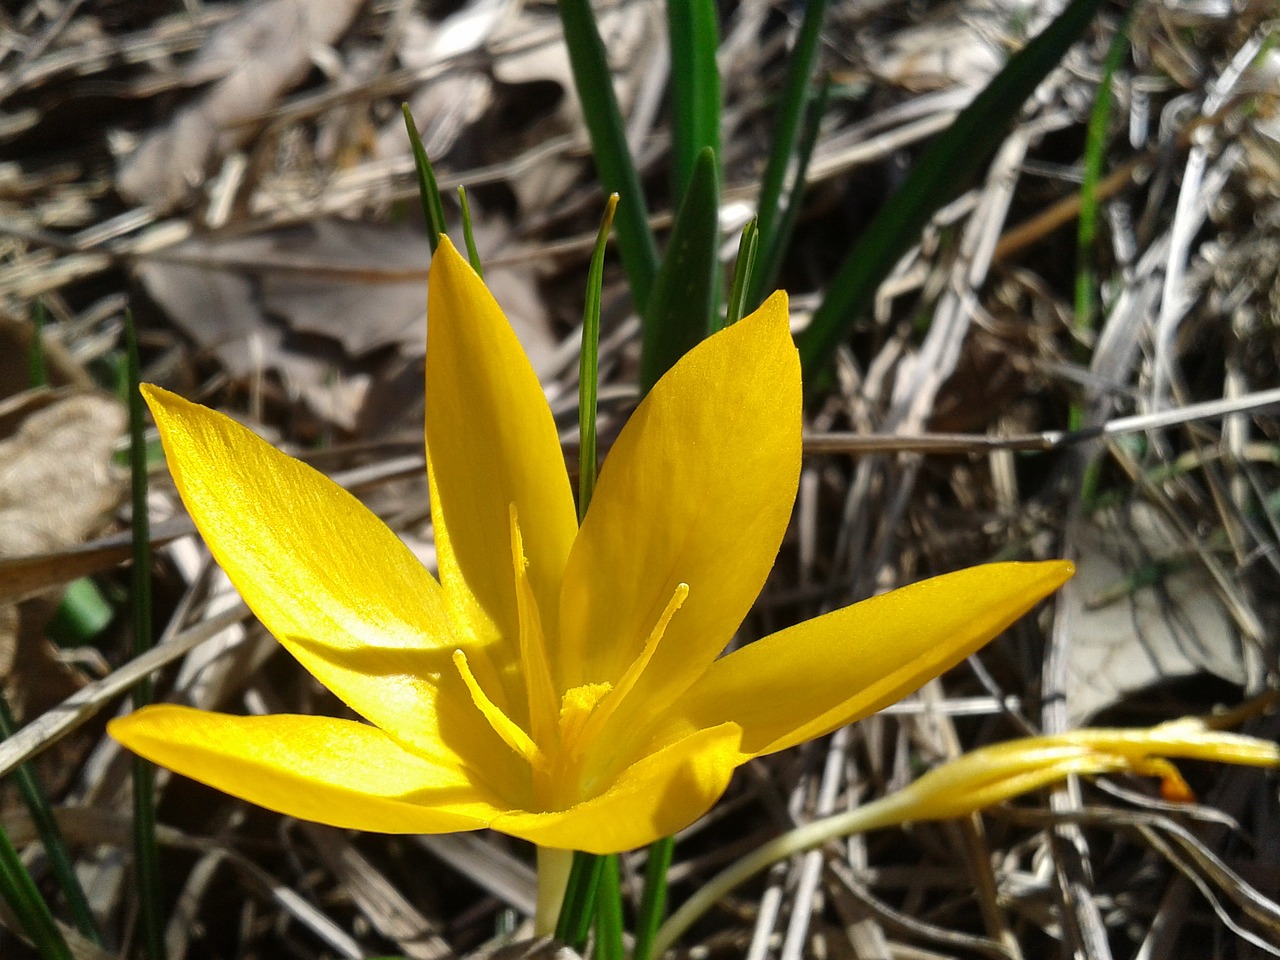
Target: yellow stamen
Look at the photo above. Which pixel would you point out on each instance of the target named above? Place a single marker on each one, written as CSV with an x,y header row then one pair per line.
x,y
577,707
539,687
632,676
502,725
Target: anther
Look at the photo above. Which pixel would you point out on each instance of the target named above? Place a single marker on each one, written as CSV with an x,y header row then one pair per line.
x,y
502,725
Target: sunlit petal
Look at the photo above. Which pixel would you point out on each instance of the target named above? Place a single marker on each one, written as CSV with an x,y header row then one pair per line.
x,y
821,674
326,576
339,772
697,489
652,798
492,443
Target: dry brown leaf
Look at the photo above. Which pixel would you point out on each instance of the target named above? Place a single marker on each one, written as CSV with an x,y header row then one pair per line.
x,y
362,286
1130,639
57,480
633,33
25,576
958,47
215,308
251,60
15,369
451,102
221,308
57,486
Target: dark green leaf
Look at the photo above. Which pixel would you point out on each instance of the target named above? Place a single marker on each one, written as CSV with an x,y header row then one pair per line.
x,y
55,846
653,901
151,920
579,907
468,234
23,897
743,272
594,84
694,37
428,189
589,363
786,131
948,165
680,309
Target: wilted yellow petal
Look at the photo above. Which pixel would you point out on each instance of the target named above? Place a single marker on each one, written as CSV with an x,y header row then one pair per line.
x,y
1185,738
990,775
492,443
339,772
697,489
821,674
652,798
326,576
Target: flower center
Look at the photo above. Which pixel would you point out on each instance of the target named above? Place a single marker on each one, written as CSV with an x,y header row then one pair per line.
x,y
564,745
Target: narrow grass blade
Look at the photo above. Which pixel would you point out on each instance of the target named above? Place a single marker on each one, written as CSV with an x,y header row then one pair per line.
x,y
594,84
786,130
469,235
680,310
1094,154
694,36
574,925
55,847
146,854
766,277
428,189
609,911
743,272
1087,226
578,909
944,169
37,371
653,901
23,897
589,363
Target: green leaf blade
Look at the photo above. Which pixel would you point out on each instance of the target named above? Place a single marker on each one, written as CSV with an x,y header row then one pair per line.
x,y
684,292
791,112
594,83
945,168
428,188
694,37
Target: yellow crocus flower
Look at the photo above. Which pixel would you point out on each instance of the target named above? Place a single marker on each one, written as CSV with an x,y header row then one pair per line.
x,y
560,684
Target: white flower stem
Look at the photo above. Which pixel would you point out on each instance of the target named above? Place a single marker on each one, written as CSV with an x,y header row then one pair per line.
x,y
553,876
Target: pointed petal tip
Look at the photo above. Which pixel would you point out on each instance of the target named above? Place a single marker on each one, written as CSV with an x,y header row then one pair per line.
x,y
447,248
448,261
774,315
338,772
776,302
120,728
1057,571
157,398
167,407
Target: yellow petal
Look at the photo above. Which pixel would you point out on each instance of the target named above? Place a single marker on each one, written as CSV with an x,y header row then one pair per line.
x,y
492,443
337,772
655,797
809,679
698,490
326,576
